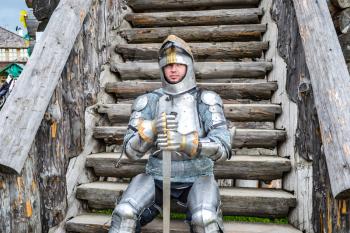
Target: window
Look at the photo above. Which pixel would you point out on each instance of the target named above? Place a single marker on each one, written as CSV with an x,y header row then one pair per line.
x,y
13,54
2,54
23,55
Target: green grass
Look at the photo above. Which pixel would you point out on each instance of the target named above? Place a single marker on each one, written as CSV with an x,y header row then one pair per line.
x,y
105,211
255,219
180,216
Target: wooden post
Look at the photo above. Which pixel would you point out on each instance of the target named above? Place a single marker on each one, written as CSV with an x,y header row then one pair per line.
x,y
331,84
344,40
22,113
343,20
341,3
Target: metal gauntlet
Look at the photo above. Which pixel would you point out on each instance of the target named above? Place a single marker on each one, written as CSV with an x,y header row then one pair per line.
x,y
142,140
175,141
212,149
170,139
189,144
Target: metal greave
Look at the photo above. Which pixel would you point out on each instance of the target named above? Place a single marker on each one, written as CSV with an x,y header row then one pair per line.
x,y
204,204
139,195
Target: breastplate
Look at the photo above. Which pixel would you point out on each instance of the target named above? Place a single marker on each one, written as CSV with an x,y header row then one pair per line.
x,y
185,107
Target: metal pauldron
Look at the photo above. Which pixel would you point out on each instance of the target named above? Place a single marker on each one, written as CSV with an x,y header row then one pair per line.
x,y
215,107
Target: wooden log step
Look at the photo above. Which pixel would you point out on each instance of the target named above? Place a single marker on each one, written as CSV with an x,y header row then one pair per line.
x,y
162,5
255,91
201,51
235,201
239,167
244,32
195,18
118,113
261,138
203,70
97,223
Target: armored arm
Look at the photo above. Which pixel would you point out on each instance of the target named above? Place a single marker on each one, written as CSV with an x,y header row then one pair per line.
x,y
141,129
217,144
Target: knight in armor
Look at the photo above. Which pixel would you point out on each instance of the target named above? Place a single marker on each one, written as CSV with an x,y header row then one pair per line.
x,y
188,121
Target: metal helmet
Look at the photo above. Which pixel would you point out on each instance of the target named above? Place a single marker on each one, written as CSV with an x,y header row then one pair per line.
x,y
175,50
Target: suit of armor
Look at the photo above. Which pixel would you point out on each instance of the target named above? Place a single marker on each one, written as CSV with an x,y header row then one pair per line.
x,y
188,121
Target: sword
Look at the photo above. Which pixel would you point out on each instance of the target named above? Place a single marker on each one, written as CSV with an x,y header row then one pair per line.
x,y
166,182
166,190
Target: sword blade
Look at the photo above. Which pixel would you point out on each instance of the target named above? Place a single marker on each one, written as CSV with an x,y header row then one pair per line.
x,y
166,190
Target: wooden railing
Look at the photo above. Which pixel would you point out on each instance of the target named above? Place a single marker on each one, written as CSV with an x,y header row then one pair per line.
x,y
24,110
331,88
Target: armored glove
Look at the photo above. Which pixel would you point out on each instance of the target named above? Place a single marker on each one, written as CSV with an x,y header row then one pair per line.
x,y
141,141
146,129
170,139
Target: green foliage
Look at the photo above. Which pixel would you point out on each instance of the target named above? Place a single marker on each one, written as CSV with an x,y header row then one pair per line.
x,y
180,216
105,211
177,216
255,219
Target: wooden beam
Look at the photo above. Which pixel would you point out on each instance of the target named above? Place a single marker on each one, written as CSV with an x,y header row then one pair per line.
x,y
118,113
96,223
24,110
239,167
201,51
245,32
330,85
203,70
341,3
344,41
243,138
156,5
236,201
342,21
195,18
256,91
43,9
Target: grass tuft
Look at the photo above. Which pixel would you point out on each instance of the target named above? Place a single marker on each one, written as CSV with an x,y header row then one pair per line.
x,y
180,216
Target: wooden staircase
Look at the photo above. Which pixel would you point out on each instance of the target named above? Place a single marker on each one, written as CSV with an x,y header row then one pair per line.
x,y
226,39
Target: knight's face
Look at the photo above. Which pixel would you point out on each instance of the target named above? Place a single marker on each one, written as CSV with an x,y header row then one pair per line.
x,y
174,73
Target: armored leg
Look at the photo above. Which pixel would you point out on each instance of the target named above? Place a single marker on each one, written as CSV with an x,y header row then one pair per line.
x,y
204,205
138,196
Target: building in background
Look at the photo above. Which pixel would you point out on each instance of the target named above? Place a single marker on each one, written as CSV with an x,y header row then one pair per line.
x,y
13,48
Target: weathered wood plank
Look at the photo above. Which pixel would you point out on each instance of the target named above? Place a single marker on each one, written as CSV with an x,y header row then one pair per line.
x,y
236,112
195,18
239,167
203,70
20,198
236,201
243,137
201,51
258,138
151,5
264,90
245,32
292,76
330,85
24,110
93,223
